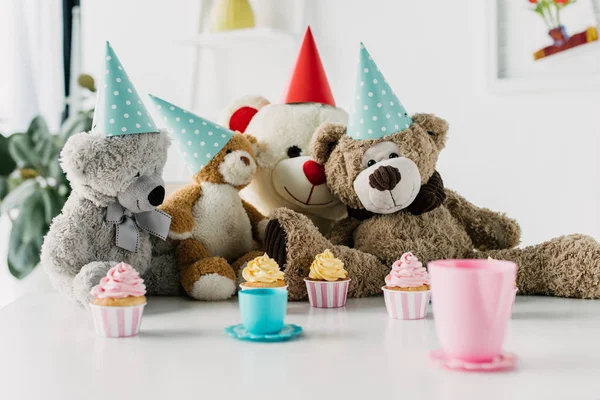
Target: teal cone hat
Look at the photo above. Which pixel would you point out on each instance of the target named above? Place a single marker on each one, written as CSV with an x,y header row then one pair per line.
x,y
199,140
119,109
377,112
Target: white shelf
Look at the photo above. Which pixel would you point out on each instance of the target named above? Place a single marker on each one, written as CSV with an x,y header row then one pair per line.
x,y
240,38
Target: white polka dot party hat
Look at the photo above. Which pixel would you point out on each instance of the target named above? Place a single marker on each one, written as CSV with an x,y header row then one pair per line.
x,y
119,109
199,140
376,112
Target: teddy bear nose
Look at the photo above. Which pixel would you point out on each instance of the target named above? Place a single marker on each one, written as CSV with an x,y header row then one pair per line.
x,y
384,178
156,196
314,172
245,160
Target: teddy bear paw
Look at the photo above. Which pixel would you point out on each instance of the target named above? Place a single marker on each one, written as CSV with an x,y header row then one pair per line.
x,y
88,277
212,287
275,242
211,278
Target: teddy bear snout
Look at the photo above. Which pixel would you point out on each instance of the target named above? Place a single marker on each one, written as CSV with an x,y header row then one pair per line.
x,y
314,172
144,194
156,196
385,178
245,160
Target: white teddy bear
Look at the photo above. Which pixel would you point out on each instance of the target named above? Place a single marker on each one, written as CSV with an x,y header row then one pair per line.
x,y
287,176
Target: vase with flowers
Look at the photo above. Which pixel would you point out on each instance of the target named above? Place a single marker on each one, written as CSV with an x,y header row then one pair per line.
x,y
550,10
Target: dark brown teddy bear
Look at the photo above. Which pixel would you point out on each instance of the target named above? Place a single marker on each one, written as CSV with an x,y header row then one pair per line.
x,y
437,224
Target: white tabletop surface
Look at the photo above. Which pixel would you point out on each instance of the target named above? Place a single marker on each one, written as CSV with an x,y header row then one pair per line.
x,y
49,350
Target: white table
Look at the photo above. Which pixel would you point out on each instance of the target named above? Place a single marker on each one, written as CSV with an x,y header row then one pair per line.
x,y
49,350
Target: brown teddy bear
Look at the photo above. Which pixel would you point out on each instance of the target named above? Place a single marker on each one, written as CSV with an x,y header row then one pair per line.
x,y
396,203
211,225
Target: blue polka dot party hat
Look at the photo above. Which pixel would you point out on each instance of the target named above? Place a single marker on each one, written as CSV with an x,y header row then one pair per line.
x,y
119,109
199,140
376,112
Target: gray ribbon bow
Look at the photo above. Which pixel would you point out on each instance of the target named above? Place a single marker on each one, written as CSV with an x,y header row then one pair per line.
x,y
128,225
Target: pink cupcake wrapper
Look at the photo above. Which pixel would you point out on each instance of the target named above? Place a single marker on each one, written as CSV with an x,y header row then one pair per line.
x,y
406,305
116,322
327,294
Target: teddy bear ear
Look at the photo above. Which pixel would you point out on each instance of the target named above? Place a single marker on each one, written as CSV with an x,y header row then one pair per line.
x,y
78,152
436,128
238,114
325,139
253,141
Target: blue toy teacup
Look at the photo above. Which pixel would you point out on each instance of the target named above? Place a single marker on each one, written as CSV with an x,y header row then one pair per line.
x,y
263,310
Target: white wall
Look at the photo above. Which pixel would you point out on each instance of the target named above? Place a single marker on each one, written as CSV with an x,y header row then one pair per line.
x,y
533,155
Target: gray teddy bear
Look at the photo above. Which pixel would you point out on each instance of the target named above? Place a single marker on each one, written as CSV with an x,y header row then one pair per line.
x,y
81,245
110,217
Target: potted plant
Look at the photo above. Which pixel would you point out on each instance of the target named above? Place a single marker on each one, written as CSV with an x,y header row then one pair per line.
x,y
550,10
33,187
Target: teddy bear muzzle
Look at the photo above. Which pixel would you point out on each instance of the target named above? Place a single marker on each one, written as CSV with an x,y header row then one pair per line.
x,y
388,186
144,194
301,181
238,168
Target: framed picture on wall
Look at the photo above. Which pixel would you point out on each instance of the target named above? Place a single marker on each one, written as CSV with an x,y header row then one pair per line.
x,y
537,45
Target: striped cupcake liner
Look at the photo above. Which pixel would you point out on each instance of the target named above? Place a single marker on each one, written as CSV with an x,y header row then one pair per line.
x,y
406,305
327,294
116,322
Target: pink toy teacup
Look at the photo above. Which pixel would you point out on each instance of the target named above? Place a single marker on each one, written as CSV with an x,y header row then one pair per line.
x,y
472,307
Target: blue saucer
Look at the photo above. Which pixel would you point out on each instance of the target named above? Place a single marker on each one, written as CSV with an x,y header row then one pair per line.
x,y
287,332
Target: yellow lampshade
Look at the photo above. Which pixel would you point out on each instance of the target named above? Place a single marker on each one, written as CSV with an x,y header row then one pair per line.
x,y
228,15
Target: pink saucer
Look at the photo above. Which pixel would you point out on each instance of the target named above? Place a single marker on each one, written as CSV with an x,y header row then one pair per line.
x,y
503,362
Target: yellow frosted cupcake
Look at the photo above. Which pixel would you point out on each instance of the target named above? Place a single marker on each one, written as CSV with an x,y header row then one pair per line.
x,y
327,283
263,272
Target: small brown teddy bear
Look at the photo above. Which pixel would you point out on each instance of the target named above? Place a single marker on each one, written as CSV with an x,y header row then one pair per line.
x,y
214,230
382,167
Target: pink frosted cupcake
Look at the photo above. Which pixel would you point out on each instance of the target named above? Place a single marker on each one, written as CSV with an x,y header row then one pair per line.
x,y
406,289
119,301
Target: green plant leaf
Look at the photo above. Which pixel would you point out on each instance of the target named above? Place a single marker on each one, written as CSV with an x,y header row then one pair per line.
x,y
80,122
3,187
22,257
38,130
26,237
22,151
7,163
55,171
18,196
52,203
31,214
48,153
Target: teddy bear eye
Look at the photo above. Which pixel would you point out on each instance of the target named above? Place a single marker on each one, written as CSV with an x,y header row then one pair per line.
x,y
294,151
370,163
228,151
394,155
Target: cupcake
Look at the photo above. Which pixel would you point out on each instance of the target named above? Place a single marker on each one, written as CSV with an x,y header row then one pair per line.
x,y
406,289
263,272
119,301
327,282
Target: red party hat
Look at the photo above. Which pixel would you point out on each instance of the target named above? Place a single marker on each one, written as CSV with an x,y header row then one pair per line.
x,y
309,82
